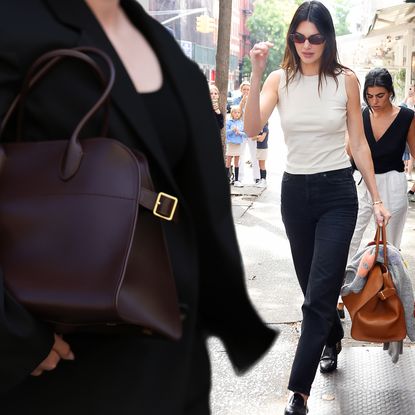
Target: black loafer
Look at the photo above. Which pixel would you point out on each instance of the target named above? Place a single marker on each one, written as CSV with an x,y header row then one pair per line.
x,y
341,313
328,360
296,405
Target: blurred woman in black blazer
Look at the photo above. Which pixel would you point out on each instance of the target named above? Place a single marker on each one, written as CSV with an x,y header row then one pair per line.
x,y
128,374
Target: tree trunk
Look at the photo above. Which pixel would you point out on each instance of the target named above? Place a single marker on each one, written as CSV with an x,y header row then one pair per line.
x,y
222,56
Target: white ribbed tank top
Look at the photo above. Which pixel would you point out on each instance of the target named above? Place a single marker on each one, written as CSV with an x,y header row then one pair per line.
x,y
314,124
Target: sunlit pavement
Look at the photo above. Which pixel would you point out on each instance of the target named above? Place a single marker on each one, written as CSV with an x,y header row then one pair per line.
x,y
366,382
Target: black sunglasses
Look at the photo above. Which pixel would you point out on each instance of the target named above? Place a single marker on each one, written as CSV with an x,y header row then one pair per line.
x,y
313,39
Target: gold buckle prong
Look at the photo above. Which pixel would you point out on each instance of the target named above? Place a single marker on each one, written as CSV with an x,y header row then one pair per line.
x,y
158,203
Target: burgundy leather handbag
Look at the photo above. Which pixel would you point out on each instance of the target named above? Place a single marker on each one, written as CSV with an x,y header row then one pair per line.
x,y
81,243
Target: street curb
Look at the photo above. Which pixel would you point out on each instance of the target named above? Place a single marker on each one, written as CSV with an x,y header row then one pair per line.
x,y
247,190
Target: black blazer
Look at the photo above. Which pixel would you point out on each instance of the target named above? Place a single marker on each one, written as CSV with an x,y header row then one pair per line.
x,y
204,250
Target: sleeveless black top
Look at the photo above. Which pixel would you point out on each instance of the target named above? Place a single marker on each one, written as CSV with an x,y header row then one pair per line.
x,y
169,121
387,152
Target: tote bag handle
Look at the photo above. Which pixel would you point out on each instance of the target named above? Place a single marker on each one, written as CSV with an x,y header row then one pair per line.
x,y
379,230
73,155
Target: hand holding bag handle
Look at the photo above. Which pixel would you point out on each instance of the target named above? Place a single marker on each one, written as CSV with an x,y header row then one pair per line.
x,y
377,241
76,247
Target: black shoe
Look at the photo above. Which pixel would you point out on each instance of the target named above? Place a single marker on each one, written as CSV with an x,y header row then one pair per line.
x,y
296,405
340,310
328,360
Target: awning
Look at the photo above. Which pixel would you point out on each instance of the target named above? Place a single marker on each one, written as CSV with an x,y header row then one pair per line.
x,y
391,18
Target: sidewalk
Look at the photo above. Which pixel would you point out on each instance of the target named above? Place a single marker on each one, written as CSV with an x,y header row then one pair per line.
x,y
366,382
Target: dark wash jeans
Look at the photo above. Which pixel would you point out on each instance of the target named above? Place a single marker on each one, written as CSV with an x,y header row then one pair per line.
x,y
319,213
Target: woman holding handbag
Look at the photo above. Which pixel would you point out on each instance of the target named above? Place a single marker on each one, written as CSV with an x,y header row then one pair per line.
x,y
317,99
41,372
388,130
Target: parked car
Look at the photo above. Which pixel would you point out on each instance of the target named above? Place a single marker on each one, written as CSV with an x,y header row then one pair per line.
x,y
230,98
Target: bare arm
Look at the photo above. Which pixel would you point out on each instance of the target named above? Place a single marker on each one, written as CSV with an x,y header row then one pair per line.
x,y
242,103
259,106
411,138
347,145
359,147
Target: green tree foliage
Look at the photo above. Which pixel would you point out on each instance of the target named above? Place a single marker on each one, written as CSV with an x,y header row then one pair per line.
x,y
341,11
399,78
270,21
246,67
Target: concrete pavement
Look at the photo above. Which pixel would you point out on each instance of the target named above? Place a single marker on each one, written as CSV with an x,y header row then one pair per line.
x,y
366,381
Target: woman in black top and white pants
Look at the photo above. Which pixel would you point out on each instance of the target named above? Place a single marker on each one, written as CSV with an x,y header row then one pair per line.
x,y
387,128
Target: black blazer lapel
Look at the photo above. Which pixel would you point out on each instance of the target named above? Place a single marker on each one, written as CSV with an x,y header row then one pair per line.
x,y
186,80
171,58
76,14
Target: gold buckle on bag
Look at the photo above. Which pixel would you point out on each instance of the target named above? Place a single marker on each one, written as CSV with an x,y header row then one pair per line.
x,y
158,203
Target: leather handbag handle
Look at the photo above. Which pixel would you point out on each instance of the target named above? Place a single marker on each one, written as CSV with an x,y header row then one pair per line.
x,y
43,68
31,79
73,155
379,230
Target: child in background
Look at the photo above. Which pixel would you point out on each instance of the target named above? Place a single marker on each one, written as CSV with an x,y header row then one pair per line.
x,y
262,154
234,137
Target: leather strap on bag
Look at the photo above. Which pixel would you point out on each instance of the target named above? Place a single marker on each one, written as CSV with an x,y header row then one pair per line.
x,y
161,204
377,241
386,293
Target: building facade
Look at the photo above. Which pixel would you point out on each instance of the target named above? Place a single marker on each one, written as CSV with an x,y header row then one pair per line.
x,y
386,39
183,19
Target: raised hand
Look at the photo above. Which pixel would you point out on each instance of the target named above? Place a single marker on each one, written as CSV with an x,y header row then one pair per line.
x,y
259,55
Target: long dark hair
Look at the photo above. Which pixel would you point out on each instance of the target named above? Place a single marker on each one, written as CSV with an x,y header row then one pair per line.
x,y
314,12
378,77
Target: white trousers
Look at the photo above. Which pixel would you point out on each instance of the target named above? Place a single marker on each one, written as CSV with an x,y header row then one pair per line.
x,y
252,151
392,189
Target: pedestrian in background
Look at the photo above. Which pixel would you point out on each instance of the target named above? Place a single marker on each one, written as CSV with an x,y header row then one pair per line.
x,y
159,105
262,155
214,95
408,163
408,159
244,91
409,100
317,98
241,102
235,136
388,129
411,193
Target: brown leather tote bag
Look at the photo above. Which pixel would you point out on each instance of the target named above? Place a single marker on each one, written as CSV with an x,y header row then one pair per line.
x,y
377,313
81,243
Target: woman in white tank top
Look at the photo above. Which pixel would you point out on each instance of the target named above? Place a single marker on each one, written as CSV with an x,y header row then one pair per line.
x,y
317,99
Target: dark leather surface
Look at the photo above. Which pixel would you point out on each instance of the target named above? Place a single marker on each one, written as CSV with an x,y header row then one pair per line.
x,y
77,248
